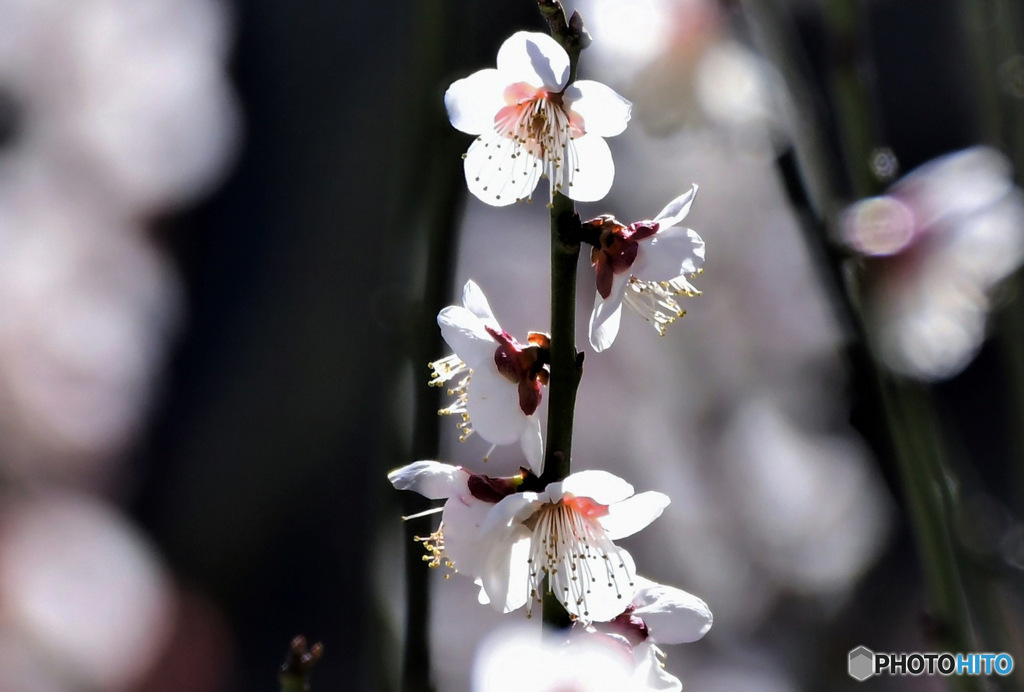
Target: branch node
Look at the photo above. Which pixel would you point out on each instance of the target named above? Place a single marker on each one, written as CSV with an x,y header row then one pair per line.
x,y
571,33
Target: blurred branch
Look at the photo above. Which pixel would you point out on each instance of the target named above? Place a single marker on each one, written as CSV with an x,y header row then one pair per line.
x,y
911,427
856,122
298,664
422,237
993,30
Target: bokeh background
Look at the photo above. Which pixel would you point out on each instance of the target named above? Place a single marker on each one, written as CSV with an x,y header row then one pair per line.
x,y
225,231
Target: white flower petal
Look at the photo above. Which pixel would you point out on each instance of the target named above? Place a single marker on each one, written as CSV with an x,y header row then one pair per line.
x,y
431,479
670,253
600,486
676,210
493,406
473,102
511,510
629,516
592,169
460,522
465,333
504,573
672,616
518,659
481,597
532,442
648,671
604,112
609,591
474,300
534,58
498,174
607,313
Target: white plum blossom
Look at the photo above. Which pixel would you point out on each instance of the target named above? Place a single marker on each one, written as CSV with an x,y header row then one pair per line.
x,y
565,533
658,614
516,659
645,266
530,123
469,497
506,376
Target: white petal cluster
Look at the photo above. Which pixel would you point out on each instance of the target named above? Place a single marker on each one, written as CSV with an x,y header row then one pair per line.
x,y
531,123
658,614
593,659
456,543
491,406
522,538
657,277
564,533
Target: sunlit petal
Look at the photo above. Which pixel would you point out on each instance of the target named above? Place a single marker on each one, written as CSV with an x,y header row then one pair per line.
x,y
591,167
604,112
600,486
669,253
473,101
605,318
534,58
431,479
672,616
465,333
500,173
676,210
633,514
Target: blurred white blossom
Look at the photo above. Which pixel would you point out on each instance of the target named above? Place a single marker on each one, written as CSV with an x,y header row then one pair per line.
x,y
935,245
121,110
79,586
514,659
128,97
116,111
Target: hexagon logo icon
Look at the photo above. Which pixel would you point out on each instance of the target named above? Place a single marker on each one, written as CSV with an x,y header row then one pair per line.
x,y
862,663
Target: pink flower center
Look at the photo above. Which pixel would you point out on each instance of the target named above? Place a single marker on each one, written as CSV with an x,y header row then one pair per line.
x,y
585,506
542,125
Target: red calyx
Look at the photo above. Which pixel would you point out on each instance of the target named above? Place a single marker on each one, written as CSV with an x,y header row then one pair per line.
x,y
492,489
523,365
630,626
617,250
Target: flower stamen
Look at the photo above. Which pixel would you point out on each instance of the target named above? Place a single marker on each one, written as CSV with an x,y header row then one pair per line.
x,y
434,545
655,301
571,551
541,131
445,369
458,407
